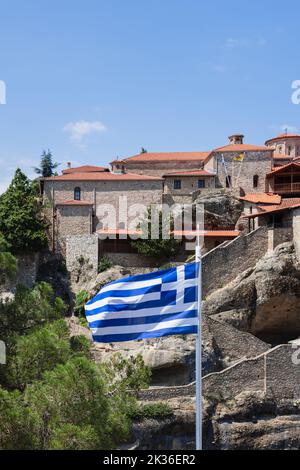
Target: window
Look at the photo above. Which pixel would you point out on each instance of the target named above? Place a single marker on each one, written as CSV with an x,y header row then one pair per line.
x,y
289,150
228,181
77,194
255,181
201,184
177,184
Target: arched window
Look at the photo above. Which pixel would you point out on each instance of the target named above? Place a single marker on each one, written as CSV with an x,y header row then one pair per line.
x,y
255,181
77,194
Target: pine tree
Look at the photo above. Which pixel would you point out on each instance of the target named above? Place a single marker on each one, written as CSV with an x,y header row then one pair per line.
x,y
47,165
21,222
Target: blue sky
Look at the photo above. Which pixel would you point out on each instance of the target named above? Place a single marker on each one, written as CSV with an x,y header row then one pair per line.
x,y
97,79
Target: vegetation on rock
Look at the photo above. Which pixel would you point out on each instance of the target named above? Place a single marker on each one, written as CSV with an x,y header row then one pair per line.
x,y
165,246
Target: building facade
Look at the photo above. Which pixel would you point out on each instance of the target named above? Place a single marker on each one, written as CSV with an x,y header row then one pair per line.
x,y
90,199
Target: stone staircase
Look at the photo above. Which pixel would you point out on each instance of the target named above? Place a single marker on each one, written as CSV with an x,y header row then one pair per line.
x,y
275,372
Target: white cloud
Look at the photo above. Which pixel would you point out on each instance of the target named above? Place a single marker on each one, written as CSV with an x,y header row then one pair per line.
x,y
81,129
236,42
232,43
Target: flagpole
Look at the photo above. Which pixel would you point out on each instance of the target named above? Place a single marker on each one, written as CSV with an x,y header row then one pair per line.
x,y
199,350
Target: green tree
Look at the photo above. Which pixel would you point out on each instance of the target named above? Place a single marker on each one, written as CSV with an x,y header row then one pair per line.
x,y
29,309
8,264
47,166
77,394
21,222
37,352
159,248
17,429
82,298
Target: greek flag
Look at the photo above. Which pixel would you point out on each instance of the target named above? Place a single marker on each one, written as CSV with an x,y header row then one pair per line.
x,y
153,305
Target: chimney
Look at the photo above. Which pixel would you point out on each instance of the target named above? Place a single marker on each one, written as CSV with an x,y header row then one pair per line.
x,y
236,139
69,164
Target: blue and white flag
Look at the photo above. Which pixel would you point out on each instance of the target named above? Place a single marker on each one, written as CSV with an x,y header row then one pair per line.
x,y
153,305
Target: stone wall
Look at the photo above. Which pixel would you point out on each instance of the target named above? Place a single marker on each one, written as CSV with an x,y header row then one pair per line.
x,y
279,235
71,221
255,163
130,260
111,199
274,372
188,184
27,271
161,168
296,227
223,264
84,246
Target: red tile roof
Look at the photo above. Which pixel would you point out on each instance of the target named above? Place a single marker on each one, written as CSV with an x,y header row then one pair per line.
x,y
283,168
102,176
85,169
190,173
74,203
262,198
283,137
286,204
207,233
166,157
242,148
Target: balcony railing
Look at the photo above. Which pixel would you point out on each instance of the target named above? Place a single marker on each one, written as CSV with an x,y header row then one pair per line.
x,y
287,188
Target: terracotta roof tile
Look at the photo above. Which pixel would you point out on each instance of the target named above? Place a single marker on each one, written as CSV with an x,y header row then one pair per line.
x,y
284,167
166,157
242,148
85,169
207,233
286,204
262,198
283,137
74,203
102,176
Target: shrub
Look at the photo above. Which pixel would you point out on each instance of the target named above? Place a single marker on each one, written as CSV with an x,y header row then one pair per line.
x,y
151,411
105,264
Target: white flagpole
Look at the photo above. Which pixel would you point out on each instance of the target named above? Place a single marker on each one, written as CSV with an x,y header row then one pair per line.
x,y
199,351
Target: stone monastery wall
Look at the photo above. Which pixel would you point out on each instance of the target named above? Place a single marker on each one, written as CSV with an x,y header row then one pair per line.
x,y
223,264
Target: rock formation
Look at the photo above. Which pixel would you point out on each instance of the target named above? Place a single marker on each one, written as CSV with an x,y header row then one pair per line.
x,y
265,300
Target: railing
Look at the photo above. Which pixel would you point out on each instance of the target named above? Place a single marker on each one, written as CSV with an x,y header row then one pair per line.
x,y
287,188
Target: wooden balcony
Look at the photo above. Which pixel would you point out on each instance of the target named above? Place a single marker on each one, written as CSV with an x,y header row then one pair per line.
x,y
286,188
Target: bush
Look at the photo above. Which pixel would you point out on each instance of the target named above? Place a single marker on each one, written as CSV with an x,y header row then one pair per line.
x,y
105,264
160,249
151,411
81,299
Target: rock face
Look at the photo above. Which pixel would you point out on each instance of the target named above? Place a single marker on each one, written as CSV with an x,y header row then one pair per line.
x,y
222,209
172,359
264,301
252,422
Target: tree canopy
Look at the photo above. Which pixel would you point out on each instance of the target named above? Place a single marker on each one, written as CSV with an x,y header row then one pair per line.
x,y
21,222
159,248
47,166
